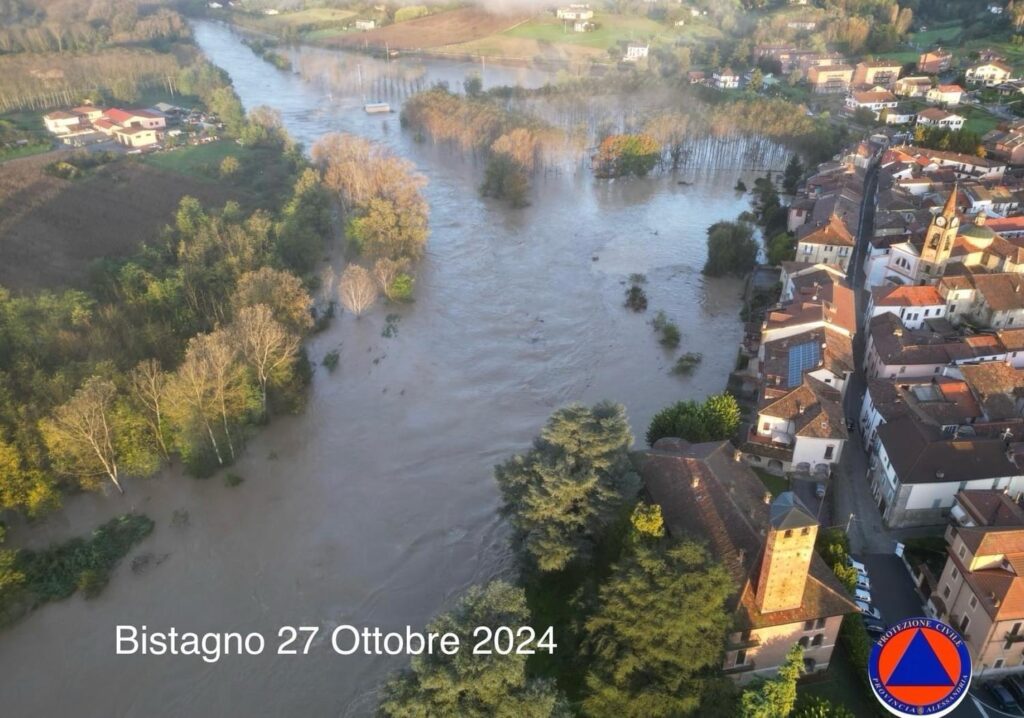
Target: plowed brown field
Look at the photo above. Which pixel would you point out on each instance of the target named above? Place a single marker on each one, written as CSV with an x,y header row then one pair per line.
x,y
51,228
444,28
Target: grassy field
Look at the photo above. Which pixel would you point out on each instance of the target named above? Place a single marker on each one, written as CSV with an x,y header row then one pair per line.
x,y
841,685
613,28
978,120
261,181
935,35
198,161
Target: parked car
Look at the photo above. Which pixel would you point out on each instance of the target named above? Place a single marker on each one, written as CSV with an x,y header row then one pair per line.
x,y
866,609
854,563
873,627
863,582
1015,685
819,490
861,595
1001,697
849,424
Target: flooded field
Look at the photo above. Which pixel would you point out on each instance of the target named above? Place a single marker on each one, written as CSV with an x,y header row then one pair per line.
x,y
376,506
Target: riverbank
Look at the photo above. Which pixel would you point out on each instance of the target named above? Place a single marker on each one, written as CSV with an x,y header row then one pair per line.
x,y
376,505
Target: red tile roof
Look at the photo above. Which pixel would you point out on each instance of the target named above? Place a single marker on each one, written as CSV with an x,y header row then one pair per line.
x,y
906,296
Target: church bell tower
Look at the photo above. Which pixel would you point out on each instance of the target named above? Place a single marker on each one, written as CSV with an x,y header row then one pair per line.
x,y
788,548
938,240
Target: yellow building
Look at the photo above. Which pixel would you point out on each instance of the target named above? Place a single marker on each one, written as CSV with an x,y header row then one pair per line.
x,y
981,589
785,594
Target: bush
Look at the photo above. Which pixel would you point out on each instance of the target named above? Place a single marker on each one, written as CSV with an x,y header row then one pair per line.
x,y
636,298
78,564
731,249
687,363
716,419
670,334
232,480
401,288
331,360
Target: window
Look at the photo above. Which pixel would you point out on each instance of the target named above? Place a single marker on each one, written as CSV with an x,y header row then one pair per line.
x,y
964,624
962,551
807,249
804,642
820,623
818,640
741,658
1016,629
955,575
973,602
945,592
952,308
788,534
805,531
829,450
998,663
927,312
808,625
766,426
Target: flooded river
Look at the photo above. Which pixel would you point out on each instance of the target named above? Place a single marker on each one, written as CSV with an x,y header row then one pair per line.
x,y
376,505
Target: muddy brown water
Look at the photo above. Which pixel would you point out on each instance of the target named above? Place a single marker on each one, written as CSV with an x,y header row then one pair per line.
x,y
376,505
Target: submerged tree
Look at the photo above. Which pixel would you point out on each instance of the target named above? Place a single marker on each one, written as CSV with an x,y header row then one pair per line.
x,y
265,344
714,420
731,249
474,685
357,291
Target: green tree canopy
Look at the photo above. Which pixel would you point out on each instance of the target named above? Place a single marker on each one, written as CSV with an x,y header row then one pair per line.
x,y
775,697
469,685
731,249
716,419
563,493
659,632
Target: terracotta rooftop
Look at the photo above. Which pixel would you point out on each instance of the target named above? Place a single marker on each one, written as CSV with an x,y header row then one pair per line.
x,y
704,493
998,387
814,408
906,296
939,401
834,233
991,507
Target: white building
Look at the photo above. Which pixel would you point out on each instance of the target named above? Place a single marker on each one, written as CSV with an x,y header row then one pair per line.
x,y
936,117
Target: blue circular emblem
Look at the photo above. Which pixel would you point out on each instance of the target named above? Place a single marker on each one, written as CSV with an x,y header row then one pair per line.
x,y
920,667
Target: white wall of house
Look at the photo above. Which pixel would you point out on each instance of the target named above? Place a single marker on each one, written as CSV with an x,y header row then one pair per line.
x,y
817,451
814,253
912,317
943,493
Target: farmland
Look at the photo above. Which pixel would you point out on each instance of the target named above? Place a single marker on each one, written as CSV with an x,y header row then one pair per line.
x,y
612,29
432,31
52,228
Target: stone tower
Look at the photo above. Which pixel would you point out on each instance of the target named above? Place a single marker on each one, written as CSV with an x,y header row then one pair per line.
x,y
788,548
938,240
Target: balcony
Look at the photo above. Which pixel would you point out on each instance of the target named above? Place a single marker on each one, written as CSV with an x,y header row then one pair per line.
x,y
744,668
751,642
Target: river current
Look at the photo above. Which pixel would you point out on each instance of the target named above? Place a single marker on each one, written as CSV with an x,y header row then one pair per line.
x,y
376,505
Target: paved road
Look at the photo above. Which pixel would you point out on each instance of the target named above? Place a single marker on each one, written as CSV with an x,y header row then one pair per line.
x,y
853,490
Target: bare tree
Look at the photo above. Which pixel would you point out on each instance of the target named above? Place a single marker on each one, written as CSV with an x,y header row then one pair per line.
x,y
228,377
385,271
192,396
80,433
265,343
357,290
149,387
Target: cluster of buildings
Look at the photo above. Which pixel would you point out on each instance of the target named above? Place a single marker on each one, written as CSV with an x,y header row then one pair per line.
x,y
131,128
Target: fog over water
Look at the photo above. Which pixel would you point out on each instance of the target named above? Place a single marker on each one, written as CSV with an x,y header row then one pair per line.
x,y
376,505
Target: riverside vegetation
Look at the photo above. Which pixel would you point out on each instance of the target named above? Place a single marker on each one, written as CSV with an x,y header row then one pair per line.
x,y
640,618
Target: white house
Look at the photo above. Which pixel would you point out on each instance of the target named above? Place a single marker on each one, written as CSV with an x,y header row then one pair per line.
x,y
725,79
989,74
917,470
575,12
874,100
636,52
935,117
948,95
912,304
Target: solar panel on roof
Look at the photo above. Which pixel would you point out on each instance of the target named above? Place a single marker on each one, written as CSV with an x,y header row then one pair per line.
x,y
802,357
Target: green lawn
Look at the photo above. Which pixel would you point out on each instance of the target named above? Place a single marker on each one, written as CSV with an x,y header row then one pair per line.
x,y
978,120
937,34
613,28
199,161
775,484
841,685
24,151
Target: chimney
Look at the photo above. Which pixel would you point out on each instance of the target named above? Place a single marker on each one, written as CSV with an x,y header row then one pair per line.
x,y
695,481
940,474
767,498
